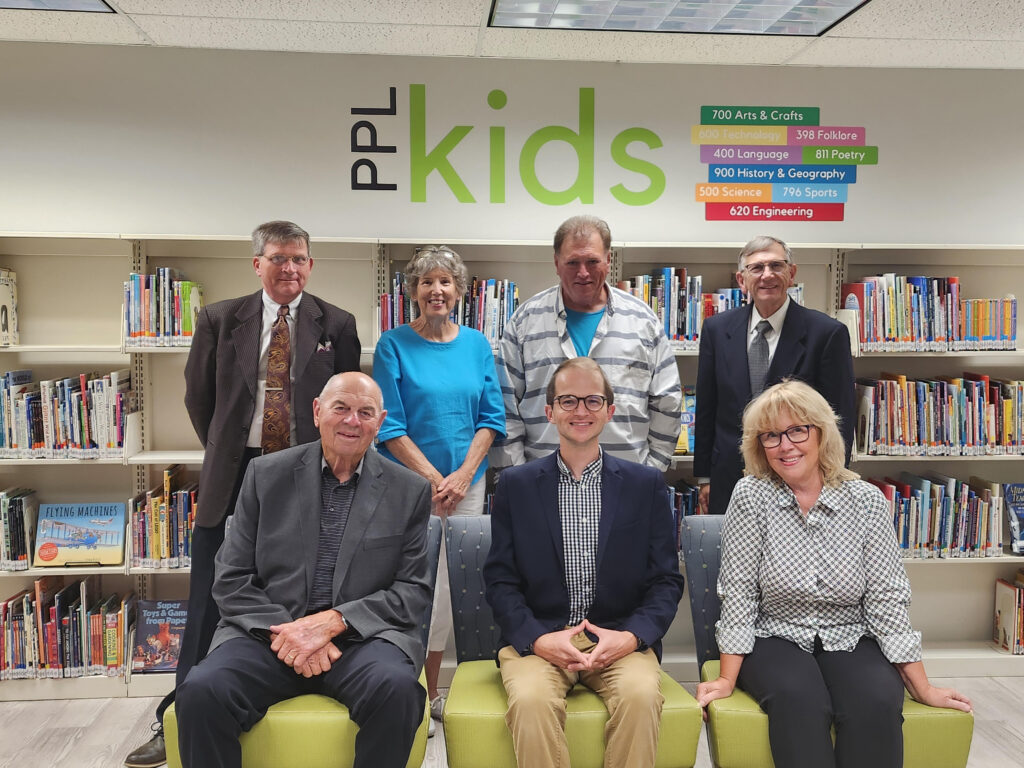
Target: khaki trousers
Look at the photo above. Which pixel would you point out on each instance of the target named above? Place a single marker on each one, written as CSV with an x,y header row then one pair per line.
x,y
630,688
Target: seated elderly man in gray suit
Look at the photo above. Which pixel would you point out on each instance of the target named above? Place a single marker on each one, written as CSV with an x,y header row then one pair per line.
x,y
321,582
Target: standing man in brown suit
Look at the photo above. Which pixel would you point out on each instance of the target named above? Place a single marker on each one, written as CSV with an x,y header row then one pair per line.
x,y
256,364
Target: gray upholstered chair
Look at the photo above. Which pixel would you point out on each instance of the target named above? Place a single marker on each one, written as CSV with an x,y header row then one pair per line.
x,y
737,728
315,731
474,717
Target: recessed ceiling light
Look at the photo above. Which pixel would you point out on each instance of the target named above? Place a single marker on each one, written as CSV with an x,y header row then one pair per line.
x,y
720,17
84,6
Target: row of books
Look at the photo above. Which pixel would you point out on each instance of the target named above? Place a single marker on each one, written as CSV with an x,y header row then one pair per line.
x,y
162,519
58,535
9,308
78,417
93,534
19,509
969,415
683,501
1008,623
681,303
160,310
56,629
937,516
897,313
486,306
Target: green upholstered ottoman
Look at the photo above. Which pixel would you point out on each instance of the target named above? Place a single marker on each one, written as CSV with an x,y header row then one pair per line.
x,y
476,735
738,732
310,731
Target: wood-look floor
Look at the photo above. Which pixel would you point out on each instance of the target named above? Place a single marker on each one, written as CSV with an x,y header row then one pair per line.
x,y
98,733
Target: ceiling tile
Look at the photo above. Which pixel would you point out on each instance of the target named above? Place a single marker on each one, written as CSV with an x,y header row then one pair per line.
x,y
632,47
469,13
313,36
928,20
951,54
66,27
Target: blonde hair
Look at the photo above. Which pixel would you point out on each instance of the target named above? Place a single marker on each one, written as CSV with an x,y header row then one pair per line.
x,y
807,406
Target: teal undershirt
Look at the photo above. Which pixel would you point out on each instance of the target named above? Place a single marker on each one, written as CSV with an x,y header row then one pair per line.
x,y
582,326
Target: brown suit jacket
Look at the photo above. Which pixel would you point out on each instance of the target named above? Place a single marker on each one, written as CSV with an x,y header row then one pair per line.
x,y
221,378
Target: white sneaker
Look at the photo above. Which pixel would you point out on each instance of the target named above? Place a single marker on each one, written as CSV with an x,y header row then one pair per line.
x,y
431,728
437,707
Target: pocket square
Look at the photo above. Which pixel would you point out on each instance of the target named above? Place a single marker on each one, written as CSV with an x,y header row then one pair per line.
x,y
324,346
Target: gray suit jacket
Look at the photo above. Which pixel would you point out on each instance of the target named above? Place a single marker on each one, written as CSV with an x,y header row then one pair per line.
x,y
265,566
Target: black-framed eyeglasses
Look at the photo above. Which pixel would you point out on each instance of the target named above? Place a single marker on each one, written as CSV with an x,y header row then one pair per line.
x,y
590,402
279,260
798,433
775,267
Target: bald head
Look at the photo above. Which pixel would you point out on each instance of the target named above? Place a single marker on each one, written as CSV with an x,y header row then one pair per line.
x,y
348,414
355,381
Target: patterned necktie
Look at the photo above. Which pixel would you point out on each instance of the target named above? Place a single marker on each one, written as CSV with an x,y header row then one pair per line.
x,y
277,398
757,358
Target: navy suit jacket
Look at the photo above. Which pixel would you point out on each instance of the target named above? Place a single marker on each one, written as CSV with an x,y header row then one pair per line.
x,y
812,347
638,581
221,378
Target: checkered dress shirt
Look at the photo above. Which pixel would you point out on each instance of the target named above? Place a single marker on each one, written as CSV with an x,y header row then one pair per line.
x,y
579,508
835,574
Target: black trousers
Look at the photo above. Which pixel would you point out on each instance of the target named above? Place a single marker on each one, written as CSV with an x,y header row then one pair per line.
x,y
201,620
231,690
804,695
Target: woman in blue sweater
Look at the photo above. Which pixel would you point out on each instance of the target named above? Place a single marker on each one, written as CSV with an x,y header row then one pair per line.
x,y
444,410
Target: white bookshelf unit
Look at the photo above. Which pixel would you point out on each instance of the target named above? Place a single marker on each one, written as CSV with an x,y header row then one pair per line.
x,y
70,292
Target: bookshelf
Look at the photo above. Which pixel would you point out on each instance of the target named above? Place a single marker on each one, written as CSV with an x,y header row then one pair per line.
x,y
75,325
953,599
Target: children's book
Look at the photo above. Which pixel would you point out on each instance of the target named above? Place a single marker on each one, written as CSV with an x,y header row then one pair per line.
x,y
158,632
80,534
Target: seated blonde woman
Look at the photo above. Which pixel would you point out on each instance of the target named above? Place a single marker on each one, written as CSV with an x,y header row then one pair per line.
x,y
815,623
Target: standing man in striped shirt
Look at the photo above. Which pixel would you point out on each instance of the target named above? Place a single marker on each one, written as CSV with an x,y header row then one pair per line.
x,y
584,316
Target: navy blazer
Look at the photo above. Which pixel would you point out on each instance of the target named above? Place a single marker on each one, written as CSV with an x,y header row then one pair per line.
x,y
812,347
638,581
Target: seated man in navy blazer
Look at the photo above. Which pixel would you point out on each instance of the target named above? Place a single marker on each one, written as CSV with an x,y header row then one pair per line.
x,y
321,584
583,579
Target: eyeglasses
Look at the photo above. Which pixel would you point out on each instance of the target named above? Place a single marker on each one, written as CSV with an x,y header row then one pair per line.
x,y
775,267
436,249
798,433
590,402
279,260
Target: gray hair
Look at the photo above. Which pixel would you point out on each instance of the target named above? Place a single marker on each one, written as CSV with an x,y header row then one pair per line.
x,y
430,257
277,232
763,243
582,227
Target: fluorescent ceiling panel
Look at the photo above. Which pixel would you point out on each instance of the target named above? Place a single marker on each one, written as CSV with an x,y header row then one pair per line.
x,y
720,17
87,6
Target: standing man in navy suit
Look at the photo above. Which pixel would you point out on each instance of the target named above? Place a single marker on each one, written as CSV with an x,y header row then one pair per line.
x,y
583,579
225,395
747,349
